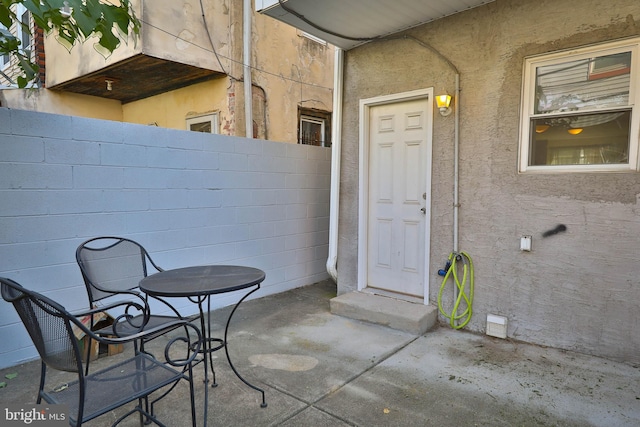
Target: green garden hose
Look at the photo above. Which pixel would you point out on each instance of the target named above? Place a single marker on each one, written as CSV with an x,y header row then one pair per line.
x,y
464,299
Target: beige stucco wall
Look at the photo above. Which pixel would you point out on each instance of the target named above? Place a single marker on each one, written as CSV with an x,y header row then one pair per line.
x,y
66,103
298,72
288,70
168,110
83,58
175,31
578,290
171,109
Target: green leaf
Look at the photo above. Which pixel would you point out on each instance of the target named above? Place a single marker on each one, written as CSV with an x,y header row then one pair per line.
x,y
86,24
110,23
8,42
5,17
109,41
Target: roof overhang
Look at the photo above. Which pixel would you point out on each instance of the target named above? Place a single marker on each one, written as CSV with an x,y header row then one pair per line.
x,y
348,24
138,77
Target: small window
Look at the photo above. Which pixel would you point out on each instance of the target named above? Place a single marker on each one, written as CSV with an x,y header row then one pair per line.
x,y
578,110
207,123
4,59
25,33
314,128
311,131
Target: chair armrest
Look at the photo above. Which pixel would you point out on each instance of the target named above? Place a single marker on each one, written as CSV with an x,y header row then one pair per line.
x,y
131,310
109,306
193,345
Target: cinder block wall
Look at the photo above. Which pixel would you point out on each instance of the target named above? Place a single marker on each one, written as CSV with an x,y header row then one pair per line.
x,y
190,198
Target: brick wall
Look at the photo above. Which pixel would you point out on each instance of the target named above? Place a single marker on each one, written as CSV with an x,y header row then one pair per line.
x,y
190,198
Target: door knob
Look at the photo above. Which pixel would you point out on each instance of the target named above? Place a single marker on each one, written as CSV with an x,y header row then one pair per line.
x,y
423,210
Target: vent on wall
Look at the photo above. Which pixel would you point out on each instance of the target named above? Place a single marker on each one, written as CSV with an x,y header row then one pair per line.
x,y
496,326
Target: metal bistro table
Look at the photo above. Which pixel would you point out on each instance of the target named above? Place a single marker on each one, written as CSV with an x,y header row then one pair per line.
x,y
198,284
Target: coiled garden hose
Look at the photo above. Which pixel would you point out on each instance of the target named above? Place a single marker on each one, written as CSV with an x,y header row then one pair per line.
x,y
464,297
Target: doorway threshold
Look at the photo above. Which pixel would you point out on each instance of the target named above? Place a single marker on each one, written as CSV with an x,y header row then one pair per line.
x,y
395,295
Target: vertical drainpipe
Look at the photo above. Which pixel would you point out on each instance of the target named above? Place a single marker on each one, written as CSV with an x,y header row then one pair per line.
x,y
456,160
456,174
248,98
336,132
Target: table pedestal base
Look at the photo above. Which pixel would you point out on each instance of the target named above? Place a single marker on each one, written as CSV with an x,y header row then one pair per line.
x,y
208,348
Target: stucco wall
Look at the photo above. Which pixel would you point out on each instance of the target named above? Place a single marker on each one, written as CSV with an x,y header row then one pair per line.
x,y
288,70
170,109
175,31
47,101
578,290
295,71
83,58
190,198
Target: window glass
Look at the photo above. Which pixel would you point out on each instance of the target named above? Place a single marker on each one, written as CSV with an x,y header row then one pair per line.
x,y
314,127
201,126
581,140
207,123
311,131
26,35
584,84
578,110
4,59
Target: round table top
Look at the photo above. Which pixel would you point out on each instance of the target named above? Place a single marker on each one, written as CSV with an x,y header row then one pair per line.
x,y
201,280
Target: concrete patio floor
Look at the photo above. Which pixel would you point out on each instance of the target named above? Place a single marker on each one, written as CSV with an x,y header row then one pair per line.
x,y
320,369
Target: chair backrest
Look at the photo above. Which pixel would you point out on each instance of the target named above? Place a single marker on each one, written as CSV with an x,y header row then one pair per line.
x,y
110,265
48,324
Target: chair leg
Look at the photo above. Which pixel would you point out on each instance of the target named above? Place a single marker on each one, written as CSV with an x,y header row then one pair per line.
x,y
43,373
184,370
193,398
147,421
143,420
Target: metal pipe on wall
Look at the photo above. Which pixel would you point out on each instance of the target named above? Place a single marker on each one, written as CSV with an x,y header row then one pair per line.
x,y
456,171
456,174
336,132
246,62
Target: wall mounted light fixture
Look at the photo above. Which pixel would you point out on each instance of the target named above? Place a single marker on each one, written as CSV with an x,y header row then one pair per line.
x,y
443,102
109,83
575,131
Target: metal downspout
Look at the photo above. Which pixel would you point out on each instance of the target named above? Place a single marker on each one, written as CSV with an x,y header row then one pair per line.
x,y
456,173
246,62
336,132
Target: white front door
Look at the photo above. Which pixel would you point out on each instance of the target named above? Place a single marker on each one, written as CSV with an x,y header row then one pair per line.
x,y
398,195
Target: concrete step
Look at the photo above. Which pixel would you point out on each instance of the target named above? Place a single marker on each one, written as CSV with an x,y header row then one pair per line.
x,y
394,313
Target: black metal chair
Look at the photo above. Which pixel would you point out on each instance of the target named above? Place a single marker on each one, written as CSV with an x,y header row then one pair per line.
x,y
51,328
113,266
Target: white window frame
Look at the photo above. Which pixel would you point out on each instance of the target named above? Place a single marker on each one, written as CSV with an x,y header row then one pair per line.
x,y
210,117
22,11
4,63
317,121
19,34
528,105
